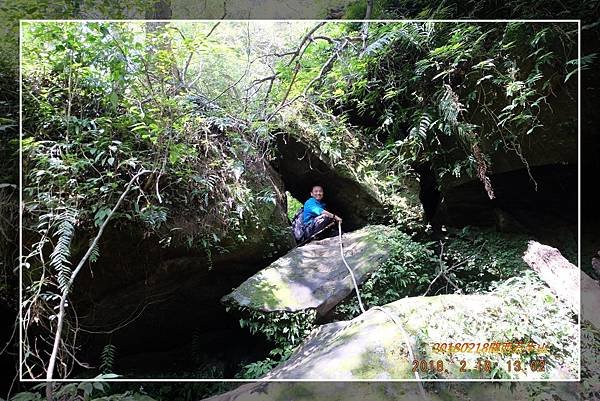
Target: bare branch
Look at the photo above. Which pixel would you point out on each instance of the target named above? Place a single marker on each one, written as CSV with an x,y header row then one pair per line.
x,y
292,81
82,261
322,37
261,80
276,54
213,28
248,64
365,27
297,52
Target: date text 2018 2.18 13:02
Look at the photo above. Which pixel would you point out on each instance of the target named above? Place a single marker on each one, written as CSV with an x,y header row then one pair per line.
x,y
481,365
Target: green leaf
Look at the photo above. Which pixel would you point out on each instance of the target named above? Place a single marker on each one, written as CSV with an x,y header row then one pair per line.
x,y
101,215
105,376
87,388
98,385
26,396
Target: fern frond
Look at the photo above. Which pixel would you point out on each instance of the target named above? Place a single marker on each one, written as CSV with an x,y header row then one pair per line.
x,y
59,259
450,106
424,122
107,358
413,34
95,252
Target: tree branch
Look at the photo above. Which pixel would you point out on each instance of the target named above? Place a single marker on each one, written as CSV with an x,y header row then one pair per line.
x,y
304,40
327,66
67,288
365,27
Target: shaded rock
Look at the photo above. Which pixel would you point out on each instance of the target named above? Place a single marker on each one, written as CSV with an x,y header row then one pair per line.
x,y
548,214
153,298
519,206
263,9
310,391
400,391
313,276
554,143
596,264
368,348
371,346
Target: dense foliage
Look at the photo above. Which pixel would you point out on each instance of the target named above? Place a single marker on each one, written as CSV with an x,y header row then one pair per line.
x,y
285,330
470,260
486,9
109,113
107,107
407,272
479,258
450,95
169,127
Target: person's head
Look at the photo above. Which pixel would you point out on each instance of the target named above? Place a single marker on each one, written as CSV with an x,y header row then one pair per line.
x,y
317,192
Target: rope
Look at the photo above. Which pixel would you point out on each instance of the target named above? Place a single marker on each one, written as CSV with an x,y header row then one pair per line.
x,y
390,315
360,304
395,319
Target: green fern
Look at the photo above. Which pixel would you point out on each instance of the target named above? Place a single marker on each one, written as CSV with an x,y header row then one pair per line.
x,y
422,126
59,259
107,358
408,34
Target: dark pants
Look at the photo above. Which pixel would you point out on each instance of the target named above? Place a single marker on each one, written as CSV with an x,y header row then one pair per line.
x,y
318,224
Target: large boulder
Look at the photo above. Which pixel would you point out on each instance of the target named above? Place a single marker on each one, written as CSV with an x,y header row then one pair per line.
x,y
310,391
313,277
404,391
373,346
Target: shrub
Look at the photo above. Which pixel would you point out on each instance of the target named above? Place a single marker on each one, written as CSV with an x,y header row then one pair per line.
x,y
284,329
478,257
408,272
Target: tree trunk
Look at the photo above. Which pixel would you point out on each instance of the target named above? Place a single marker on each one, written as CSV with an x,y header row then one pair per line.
x,y
565,279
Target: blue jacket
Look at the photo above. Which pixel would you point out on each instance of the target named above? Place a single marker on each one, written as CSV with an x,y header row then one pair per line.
x,y
312,208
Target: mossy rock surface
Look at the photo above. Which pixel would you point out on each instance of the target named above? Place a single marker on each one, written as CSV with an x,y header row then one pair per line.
x,y
372,346
330,391
403,391
313,276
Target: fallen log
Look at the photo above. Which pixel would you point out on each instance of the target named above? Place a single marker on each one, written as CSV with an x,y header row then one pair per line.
x,y
566,280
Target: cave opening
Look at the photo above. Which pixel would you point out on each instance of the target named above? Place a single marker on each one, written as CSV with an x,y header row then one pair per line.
x,y
301,168
429,194
546,208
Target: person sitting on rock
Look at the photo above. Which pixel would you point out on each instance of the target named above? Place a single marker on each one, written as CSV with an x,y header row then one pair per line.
x,y
315,217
